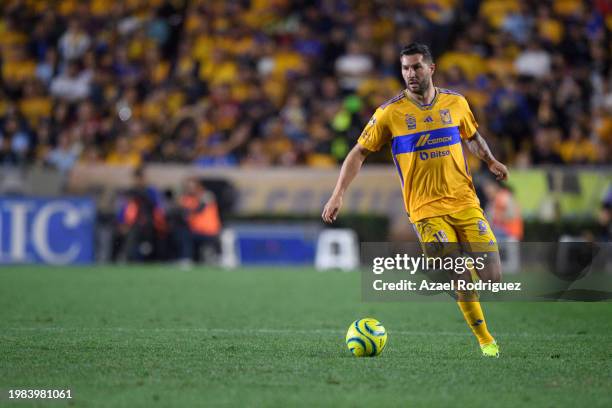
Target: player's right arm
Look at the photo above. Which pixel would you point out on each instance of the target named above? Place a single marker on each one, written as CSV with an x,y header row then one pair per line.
x,y
477,145
373,137
350,168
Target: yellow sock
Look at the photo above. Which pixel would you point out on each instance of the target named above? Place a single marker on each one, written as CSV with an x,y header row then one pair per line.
x,y
472,312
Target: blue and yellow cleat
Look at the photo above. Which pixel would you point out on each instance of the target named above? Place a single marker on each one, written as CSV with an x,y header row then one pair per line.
x,y
490,350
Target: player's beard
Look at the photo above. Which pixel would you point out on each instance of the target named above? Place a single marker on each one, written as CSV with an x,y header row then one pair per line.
x,y
423,86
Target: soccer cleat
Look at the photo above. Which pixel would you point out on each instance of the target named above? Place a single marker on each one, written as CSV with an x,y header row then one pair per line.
x,y
490,350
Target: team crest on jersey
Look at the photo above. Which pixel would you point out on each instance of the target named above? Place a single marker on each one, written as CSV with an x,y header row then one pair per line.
x,y
482,227
410,121
445,116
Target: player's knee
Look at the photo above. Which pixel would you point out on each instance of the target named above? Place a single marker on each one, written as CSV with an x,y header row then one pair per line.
x,y
491,272
496,275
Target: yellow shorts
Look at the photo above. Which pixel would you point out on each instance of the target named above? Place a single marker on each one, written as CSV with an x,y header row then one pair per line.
x,y
467,227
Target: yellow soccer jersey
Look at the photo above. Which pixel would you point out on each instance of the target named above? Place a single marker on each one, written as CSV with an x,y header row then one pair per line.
x,y
427,151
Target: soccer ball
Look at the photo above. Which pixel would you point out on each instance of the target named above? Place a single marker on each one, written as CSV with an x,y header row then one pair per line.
x,y
366,337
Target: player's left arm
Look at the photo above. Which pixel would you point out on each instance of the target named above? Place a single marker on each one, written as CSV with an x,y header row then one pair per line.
x,y
480,149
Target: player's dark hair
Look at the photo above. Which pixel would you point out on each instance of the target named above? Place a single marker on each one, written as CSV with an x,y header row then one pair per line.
x,y
417,48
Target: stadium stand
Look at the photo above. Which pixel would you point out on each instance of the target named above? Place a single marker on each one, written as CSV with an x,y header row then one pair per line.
x,y
277,83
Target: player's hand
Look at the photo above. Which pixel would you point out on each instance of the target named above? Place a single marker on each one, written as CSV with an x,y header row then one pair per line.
x,y
331,209
499,170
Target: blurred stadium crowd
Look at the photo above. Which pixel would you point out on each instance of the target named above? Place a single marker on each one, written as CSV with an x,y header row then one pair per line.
x,y
279,82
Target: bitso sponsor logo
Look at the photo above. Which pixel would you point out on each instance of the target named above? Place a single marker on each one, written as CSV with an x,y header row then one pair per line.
x,y
433,155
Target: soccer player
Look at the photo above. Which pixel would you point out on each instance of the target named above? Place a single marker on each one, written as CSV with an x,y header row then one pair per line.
x,y
427,128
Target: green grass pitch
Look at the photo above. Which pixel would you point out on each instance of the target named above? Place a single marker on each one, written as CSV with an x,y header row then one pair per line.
x,y
157,336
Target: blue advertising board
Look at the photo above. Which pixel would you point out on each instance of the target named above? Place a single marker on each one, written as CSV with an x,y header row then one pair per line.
x,y
57,231
275,244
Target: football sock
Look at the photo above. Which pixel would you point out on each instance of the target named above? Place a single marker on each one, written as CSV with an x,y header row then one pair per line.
x,y
472,312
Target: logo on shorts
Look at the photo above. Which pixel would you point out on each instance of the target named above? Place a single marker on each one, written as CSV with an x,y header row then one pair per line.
x,y
426,229
410,121
441,236
482,227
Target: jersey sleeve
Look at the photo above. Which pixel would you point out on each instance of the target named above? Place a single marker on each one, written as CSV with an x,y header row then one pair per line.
x,y
468,124
376,133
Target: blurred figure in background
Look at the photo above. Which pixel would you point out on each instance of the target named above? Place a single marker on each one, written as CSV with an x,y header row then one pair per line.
x,y
176,221
64,155
201,235
8,158
604,218
141,221
503,211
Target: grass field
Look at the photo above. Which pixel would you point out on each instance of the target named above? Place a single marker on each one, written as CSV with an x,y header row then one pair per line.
x,y
156,336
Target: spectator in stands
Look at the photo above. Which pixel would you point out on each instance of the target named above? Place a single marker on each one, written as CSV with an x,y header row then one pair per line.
x,y
46,69
74,42
578,148
73,84
534,61
545,147
64,155
203,221
256,155
353,66
8,158
519,23
35,105
17,137
124,154
17,68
